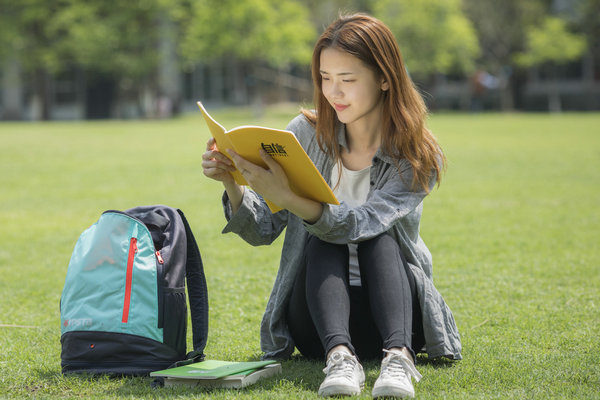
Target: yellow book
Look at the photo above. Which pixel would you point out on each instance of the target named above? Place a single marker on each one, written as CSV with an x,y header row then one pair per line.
x,y
304,178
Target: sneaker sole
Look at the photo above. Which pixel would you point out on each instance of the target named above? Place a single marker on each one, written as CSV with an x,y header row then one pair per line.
x,y
339,390
390,391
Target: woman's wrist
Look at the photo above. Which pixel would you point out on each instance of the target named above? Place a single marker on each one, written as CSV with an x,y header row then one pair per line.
x,y
235,193
309,210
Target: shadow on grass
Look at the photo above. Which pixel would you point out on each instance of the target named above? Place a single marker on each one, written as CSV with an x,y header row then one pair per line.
x,y
298,375
439,362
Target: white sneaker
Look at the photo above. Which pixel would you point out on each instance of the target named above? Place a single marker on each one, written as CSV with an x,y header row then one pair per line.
x,y
345,375
395,377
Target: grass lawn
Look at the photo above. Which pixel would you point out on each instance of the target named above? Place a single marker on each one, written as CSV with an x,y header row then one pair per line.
x,y
514,230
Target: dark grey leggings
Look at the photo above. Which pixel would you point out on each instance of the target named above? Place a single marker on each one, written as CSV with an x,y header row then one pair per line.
x,y
325,311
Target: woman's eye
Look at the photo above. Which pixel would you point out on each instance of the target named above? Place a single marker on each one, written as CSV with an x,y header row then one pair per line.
x,y
348,80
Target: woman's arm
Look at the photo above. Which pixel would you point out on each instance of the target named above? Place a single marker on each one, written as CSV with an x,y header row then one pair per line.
x,y
235,193
247,214
391,200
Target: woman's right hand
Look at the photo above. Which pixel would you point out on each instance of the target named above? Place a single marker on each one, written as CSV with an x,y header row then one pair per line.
x,y
216,165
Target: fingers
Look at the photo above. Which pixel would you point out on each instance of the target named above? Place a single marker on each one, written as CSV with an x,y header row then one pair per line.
x,y
240,163
208,163
269,181
268,159
247,167
215,155
212,153
215,164
251,172
211,144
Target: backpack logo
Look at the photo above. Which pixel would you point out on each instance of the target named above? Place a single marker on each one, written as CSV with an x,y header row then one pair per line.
x,y
78,322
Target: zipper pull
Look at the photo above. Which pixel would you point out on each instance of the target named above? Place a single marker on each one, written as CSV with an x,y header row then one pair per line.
x,y
159,257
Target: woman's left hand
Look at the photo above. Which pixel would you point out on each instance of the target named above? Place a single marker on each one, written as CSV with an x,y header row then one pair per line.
x,y
271,182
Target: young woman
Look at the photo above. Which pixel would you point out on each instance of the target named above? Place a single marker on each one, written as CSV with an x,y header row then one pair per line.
x,y
354,279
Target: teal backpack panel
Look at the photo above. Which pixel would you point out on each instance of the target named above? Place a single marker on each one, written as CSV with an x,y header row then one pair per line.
x,y
115,265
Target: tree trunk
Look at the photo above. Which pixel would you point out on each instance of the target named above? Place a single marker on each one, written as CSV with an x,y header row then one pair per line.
x,y
12,95
41,99
257,85
554,102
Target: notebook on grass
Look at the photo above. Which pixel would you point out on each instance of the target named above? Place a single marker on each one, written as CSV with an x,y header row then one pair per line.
x,y
219,374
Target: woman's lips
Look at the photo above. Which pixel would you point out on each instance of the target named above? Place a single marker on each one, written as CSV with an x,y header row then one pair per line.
x,y
340,107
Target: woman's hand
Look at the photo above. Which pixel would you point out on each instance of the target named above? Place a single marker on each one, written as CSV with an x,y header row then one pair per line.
x,y
215,164
271,182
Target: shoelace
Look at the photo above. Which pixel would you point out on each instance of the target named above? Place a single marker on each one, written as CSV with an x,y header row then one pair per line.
x,y
340,364
398,365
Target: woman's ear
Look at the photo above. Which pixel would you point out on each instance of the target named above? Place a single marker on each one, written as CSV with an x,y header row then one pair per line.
x,y
384,85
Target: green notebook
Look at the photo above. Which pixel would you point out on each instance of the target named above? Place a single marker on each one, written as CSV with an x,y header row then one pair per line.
x,y
212,369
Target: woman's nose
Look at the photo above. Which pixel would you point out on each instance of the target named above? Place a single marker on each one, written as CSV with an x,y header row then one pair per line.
x,y
335,90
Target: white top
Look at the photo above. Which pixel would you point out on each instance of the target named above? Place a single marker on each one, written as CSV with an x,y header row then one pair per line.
x,y
352,189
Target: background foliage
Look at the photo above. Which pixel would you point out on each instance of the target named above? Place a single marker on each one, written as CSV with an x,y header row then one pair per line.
x,y
435,36
274,31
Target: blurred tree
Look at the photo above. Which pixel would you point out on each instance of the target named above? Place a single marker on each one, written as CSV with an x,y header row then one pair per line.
x,y
114,41
501,31
434,35
108,38
246,36
24,38
551,43
324,12
273,31
585,18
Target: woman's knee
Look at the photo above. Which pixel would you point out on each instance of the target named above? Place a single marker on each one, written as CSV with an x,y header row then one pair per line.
x,y
379,244
316,244
319,250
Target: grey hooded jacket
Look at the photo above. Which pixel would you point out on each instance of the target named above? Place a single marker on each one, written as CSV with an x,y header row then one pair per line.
x,y
391,207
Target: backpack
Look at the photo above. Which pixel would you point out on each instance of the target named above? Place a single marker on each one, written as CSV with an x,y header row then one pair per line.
x,y
123,307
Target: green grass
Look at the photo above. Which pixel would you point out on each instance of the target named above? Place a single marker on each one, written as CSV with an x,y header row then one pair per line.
x,y
514,230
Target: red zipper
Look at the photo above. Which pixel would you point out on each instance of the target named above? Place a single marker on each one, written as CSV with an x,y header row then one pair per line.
x,y
128,279
159,258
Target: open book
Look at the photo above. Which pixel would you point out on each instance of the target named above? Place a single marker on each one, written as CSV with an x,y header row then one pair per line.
x,y
219,374
304,178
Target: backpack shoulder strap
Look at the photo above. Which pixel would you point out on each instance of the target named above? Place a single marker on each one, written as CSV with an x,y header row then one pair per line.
x,y
197,293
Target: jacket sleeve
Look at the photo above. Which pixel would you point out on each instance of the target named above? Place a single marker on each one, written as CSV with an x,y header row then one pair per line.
x,y
390,202
253,221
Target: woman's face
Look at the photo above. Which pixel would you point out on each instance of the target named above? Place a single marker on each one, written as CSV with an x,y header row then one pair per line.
x,y
352,88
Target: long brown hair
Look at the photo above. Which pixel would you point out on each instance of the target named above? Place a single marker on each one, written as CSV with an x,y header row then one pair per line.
x,y
404,134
